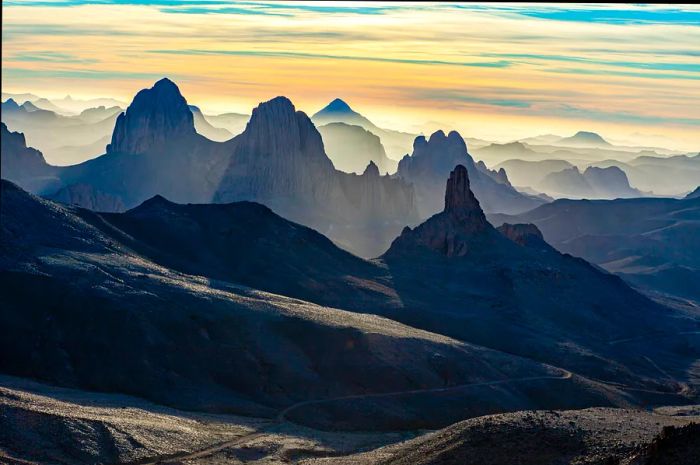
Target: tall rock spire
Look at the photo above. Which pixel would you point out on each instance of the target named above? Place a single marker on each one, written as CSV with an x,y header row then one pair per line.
x,y
455,230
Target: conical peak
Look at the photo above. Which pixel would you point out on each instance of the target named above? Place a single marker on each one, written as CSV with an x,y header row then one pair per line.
x,y
459,199
338,105
371,170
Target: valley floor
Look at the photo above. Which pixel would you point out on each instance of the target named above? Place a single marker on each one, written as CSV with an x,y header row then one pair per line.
x,y
42,424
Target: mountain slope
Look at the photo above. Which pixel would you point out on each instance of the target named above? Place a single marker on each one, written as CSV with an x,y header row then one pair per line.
x,y
396,143
111,318
649,241
476,283
351,148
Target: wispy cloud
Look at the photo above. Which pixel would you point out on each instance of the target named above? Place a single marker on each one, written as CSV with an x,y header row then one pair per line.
x,y
282,54
527,67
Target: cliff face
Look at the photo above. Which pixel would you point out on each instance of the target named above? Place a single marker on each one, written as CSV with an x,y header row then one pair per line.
x,y
155,117
454,231
280,160
432,161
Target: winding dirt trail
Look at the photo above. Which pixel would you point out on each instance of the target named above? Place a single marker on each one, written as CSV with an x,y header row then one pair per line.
x,y
281,417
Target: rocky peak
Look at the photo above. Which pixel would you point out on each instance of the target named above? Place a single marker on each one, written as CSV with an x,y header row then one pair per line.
x,y
10,105
455,230
156,116
371,170
338,106
459,199
276,128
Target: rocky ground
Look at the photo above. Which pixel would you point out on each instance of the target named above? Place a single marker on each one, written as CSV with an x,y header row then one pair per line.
x,y
600,436
41,424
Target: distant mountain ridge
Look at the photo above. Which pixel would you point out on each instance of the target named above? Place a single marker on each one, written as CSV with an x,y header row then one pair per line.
x,y
279,159
396,143
593,183
432,161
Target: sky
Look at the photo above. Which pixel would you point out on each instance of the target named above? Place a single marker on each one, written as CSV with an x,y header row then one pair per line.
x,y
492,71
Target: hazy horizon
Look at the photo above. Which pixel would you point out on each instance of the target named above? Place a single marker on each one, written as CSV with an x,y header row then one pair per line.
x,y
498,72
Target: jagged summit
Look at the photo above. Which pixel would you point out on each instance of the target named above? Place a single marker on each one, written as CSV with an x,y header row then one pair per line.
x,y
371,170
459,199
155,117
454,231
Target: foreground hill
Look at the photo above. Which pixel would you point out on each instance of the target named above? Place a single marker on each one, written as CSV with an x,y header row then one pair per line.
x,y
591,436
651,242
112,317
477,282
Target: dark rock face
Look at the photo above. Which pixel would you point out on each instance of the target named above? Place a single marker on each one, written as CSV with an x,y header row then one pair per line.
x,y
432,161
525,234
451,232
156,116
279,160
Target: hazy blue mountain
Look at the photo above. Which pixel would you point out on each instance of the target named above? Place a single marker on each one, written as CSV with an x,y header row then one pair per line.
x,y
584,139
62,139
396,143
205,128
278,160
352,147
531,173
695,194
434,158
593,183
24,165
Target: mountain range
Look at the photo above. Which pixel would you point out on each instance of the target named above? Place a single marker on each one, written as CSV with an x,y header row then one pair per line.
x,y
153,265
279,159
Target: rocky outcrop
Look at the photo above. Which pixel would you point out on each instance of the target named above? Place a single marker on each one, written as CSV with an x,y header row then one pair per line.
x,y
525,234
434,158
461,225
155,117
